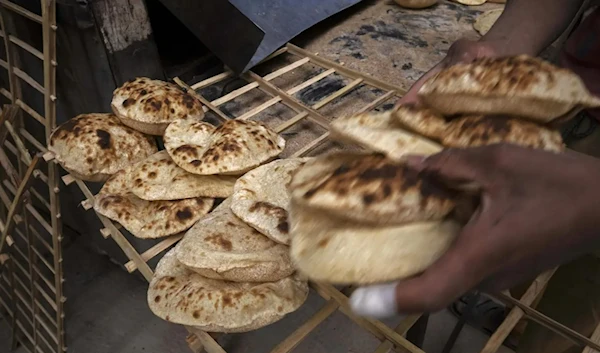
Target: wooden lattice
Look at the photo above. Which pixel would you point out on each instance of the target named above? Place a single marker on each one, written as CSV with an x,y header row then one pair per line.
x,y
32,278
337,300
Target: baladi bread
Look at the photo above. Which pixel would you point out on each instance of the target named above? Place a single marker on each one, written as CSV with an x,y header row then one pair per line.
x,y
369,188
261,198
181,296
416,4
159,178
232,148
486,20
150,105
471,2
381,133
478,130
221,246
147,219
325,248
92,147
519,86
471,131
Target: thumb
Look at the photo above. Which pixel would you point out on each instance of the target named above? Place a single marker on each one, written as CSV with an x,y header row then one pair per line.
x,y
465,169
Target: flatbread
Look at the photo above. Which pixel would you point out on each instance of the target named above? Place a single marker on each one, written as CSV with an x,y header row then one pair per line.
x,y
147,219
471,2
369,188
416,4
261,198
337,251
486,20
222,246
232,148
381,133
150,105
422,121
519,86
159,178
474,131
92,147
181,296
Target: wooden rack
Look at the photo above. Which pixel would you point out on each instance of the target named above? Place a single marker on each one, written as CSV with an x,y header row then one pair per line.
x,y
391,338
31,283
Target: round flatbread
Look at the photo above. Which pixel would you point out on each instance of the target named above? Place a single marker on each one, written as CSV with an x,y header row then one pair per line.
x,y
92,147
261,198
150,105
232,148
159,178
416,4
486,20
381,133
422,121
325,248
474,131
222,246
519,86
147,219
370,189
471,2
181,296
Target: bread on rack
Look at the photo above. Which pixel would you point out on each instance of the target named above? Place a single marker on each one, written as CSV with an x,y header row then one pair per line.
x,y
221,246
180,295
147,219
232,148
92,147
159,178
150,105
261,198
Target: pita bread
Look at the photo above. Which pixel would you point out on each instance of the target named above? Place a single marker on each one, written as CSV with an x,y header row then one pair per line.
x,y
474,131
519,86
416,4
181,296
486,20
381,133
222,246
232,148
369,188
261,198
159,178
147,219
150,105
422,121
92,147
471,2
325,248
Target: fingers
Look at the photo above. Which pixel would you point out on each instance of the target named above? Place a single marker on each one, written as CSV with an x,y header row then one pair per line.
x,y
378,302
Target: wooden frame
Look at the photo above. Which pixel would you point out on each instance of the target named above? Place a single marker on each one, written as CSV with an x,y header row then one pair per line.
x,y
336,300
32,227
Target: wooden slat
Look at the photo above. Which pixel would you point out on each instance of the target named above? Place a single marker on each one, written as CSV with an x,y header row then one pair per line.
x,y
209,344
27,178
39,218
21,11
27,109
311,146
293,340
28,79
41,239
33,140
25,46
311,81
43,259
376,102
338,93
204,101
212,80
596,339
154,251
50,301
344,70
516,314
402,329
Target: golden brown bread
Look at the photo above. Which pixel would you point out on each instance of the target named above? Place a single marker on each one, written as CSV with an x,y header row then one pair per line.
x,y
150,105
369,188
95,146
519,86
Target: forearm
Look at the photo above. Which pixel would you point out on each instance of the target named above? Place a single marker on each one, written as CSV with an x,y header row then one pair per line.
x,y
529,26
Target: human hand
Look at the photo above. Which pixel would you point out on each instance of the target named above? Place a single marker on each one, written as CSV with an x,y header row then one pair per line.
x,y
537,210
462,51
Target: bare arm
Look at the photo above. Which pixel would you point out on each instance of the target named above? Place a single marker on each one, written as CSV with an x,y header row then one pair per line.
x,y
529,26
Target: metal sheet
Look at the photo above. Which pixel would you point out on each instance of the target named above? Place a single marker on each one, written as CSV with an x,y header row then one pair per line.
x,y
243,32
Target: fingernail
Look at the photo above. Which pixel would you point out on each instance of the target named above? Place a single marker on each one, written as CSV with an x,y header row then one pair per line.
x,y
378,301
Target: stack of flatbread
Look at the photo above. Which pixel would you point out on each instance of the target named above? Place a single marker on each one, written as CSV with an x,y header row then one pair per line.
x,y
232,270
370,218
